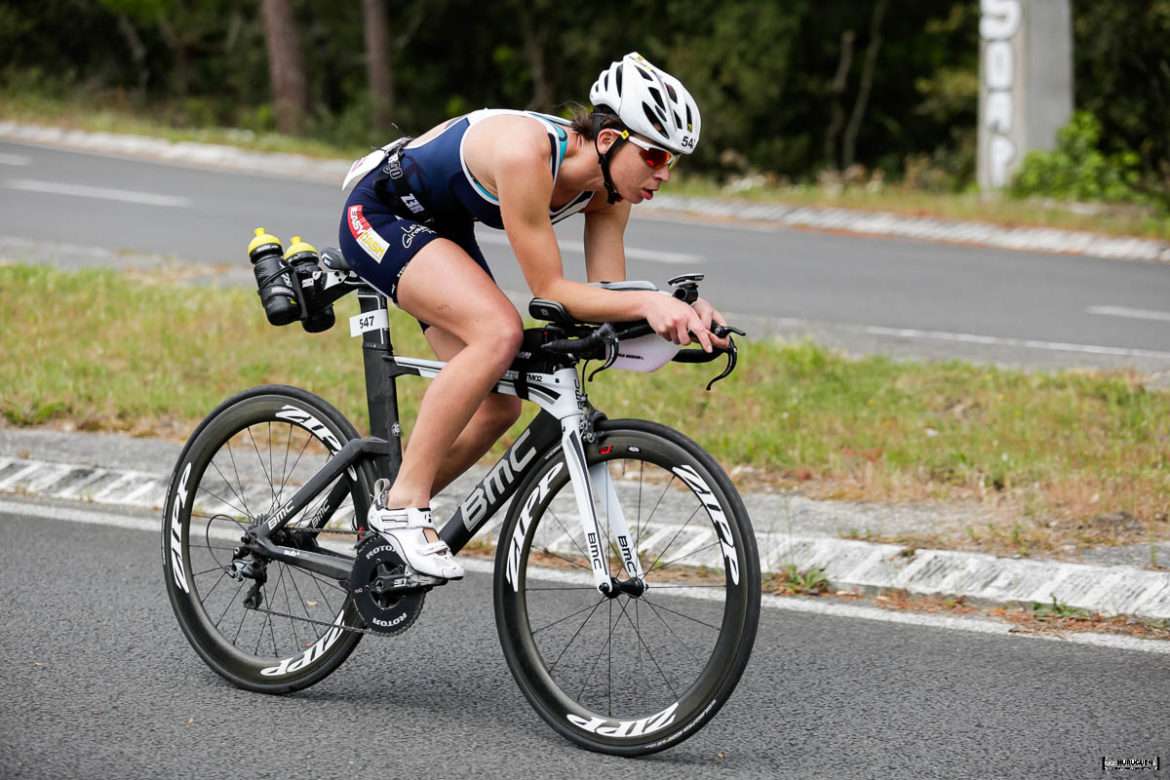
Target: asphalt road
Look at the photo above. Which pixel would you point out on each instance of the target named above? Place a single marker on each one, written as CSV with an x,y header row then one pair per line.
x,y
99,682
864,295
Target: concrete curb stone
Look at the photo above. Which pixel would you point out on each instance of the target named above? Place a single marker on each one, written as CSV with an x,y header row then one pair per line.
x,y
120,471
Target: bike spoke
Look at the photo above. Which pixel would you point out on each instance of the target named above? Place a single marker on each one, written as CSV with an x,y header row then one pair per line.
x,y
260,460
229,604
667,586
649,653
677,638
308,440
284,470
304,607
670,563
236,470
600,600
565,587
288,610
215,585
568,533
575,634
245,511
608,646
669,544
240,627
207,571
570,561
680,614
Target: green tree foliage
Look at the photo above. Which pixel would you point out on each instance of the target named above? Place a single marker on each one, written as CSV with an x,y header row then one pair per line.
x,y
778,82
1078,170
1122,70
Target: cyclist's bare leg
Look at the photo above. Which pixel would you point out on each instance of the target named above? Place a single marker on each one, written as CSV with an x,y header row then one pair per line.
x,y
444,287
491,420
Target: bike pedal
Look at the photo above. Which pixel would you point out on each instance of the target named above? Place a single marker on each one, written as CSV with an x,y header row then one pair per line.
x,y
418,578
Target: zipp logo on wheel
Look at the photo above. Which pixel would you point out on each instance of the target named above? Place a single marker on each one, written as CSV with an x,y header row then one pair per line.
x,y
177,532
296,663
626,728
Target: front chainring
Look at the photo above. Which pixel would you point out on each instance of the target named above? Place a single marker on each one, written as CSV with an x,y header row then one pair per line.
x,y
384,613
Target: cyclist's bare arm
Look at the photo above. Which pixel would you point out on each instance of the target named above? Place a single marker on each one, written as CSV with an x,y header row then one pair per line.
x,y
605,251
605,255
524,186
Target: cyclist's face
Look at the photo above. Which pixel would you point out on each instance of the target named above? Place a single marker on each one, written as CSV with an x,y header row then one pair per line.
x,y
633,175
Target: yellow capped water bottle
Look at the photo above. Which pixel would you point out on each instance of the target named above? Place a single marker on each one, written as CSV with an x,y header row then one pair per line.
x,y
274,280
302,258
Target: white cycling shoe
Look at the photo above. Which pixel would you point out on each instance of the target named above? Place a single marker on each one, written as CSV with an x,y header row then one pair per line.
x,y
406,531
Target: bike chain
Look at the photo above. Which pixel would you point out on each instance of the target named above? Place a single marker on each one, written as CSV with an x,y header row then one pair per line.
x,y
342,626
287,529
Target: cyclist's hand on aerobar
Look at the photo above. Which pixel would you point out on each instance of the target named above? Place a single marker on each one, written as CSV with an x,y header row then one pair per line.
x,y
709,316
681,323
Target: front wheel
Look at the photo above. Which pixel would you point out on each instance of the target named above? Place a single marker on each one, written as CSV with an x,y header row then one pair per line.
x,y
281,628
632,674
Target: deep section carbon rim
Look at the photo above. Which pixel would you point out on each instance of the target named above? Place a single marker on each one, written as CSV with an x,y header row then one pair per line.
x,y
630,674
243,464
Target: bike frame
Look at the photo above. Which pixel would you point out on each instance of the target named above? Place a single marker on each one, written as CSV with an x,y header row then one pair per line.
x,y
562,423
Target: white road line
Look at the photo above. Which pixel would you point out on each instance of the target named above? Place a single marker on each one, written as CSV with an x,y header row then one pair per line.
x,y
1132,314
632,253
995,341
977,625
101,193
828,608
14,159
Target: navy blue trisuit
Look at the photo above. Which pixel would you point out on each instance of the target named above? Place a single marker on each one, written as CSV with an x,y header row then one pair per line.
x,y
378,242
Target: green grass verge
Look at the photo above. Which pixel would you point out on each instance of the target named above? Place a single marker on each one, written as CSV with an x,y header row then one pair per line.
x,y
102,350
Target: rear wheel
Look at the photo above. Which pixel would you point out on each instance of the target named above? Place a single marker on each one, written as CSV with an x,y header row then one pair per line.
x,y
280,628
636,673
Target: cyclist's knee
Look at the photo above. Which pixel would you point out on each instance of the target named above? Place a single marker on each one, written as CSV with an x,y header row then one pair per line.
x,y
499,340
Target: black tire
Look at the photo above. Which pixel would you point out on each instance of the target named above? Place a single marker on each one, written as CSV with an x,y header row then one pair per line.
x,y
242,462
630,675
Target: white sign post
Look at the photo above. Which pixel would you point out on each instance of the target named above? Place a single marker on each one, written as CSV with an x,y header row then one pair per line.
x,y
1025,82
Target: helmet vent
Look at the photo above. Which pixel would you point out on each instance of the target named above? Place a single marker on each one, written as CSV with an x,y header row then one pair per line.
x,y
655,122
618,80
654,93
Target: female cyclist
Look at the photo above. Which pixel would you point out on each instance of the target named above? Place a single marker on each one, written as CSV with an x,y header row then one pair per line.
x,y
408,230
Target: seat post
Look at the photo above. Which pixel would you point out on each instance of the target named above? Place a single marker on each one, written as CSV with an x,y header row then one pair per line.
x,y
381,388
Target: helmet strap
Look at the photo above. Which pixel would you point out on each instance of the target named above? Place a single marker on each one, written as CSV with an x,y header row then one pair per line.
x,y
611,192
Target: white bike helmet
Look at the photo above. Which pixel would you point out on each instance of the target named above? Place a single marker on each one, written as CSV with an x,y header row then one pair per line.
x,y
648,102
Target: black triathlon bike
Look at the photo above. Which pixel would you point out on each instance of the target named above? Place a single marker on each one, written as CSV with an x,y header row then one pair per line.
x,y
626,578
